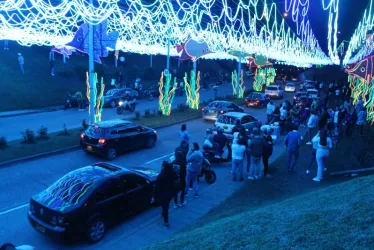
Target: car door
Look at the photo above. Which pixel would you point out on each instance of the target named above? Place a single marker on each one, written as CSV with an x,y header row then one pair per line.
x,y
249,122
139,192
135,136
122,139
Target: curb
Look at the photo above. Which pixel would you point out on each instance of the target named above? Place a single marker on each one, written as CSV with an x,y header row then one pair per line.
x,y
31,112
73,148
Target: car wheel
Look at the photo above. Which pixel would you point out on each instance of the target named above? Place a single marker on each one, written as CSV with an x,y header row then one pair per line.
x,y
96,230
210,177
113,103
151,142
111,154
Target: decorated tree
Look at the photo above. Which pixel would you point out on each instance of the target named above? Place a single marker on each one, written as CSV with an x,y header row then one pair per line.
x,y
264,76
167,93
237,88
98,102
192,90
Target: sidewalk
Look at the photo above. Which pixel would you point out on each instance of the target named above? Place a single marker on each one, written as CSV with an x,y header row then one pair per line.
x,y
54,121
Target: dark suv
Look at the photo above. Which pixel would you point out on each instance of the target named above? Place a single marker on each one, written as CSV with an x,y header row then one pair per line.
x,y
87,200
110,138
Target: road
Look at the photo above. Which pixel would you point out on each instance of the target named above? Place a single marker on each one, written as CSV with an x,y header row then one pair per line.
x,y
19,182
54,121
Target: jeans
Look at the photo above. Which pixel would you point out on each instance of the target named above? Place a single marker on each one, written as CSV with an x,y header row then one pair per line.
x,y
292,154
309,132
182,192
265,161
22,69
192,176
237,165
313,159
321,156
255,166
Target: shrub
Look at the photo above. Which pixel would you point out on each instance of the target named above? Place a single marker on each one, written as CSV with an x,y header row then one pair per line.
x,y
84,124
137,115
28,136
3,143
147,113
43,133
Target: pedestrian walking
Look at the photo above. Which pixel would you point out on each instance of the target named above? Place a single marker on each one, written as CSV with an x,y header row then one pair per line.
x,y
323,152
256,148
267,150
292,143
6,45
21,62
194,164
312,125
361,120
314,152
180,161
183,134
237,156
165,188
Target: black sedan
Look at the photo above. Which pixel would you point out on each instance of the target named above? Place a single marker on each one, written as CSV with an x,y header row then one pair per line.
x,y
110,138
257,99
88,200
216,108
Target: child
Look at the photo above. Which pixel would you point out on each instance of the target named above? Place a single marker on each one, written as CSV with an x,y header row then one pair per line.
x,y
335,138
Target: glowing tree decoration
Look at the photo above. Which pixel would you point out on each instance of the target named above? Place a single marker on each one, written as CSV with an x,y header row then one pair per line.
x,y
259,80
99,99
271,74
237,88
192,89
250,26
264,76
167,93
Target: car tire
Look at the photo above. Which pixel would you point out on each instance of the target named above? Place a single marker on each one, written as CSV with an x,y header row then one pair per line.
x,y
96,229
113,103
151,142
111,154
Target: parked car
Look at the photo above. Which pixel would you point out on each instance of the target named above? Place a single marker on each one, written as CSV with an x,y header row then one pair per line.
x,y
217,108
274,91
309,86
228,121
113,96
110,138
257,99
290,87
86,201
312,93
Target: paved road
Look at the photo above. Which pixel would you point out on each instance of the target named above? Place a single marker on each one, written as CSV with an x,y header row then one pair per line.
x,y
13,126
19,182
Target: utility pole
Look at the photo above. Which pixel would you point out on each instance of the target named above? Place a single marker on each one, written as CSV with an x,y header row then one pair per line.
x,y
168,53
91,71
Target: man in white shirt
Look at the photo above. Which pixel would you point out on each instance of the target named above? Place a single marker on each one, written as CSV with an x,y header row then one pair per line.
x,y
312,124
269,110
237,151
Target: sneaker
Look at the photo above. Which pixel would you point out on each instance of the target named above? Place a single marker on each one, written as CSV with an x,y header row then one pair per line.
x,y
197,196
316,179
251,177
175,206
308,172
182,204
325,169
309,143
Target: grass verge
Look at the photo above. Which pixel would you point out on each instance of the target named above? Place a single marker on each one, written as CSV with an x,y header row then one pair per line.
x,y
289,211
16,149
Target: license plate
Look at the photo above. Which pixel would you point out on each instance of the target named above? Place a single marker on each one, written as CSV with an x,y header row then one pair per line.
x,y
251,104
40,228
89,148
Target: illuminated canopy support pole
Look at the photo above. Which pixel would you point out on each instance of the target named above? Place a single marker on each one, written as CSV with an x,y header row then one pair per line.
x,y
194,67
168,53
91,71
150,61
239,71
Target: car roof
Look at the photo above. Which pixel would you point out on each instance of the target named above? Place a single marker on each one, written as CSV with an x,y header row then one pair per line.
x,y
300,92
115,123
290,83
235,114
273,86
312,90
226,102
256,93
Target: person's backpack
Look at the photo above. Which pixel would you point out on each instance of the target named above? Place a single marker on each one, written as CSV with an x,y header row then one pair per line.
x,y
257,147
177,181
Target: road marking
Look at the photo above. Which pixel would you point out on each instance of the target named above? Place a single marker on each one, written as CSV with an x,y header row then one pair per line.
x,y
159,158
13,209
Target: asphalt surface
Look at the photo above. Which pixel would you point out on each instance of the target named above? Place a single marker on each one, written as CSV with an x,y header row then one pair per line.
x,y
19,182
54,121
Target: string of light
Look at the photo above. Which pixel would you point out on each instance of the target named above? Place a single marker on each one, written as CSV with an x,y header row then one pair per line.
x,y
333,7
146,28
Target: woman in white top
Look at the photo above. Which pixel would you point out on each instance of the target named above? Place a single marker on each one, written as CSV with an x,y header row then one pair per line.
x,y
323,151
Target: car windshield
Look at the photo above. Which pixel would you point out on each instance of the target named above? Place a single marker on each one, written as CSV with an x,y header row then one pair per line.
x,y
111,92
272,88
95,131
227,119
255,96
217,105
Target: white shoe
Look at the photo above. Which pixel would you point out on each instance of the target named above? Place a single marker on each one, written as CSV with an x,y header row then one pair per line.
x,y
308,172
309,143
316,179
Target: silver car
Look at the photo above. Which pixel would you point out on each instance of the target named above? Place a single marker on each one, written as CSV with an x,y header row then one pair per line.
x,y
274,91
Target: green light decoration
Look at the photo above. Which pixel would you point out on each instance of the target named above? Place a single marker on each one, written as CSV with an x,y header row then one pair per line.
x,y
192,90
271,74
167,93
364,89
99,99
265,76
237,88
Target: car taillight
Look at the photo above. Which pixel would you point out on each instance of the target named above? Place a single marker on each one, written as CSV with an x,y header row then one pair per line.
x,y
102,141
82,136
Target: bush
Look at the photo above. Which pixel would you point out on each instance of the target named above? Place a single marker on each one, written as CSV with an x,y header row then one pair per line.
x,y
3,143
28,136
147,113
43,133
84,124
137,115
65,132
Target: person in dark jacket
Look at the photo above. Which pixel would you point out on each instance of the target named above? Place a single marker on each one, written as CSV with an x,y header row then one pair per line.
x,y
267,151
324,119
180,160
220,141
238,127
164,189
184,148
351,121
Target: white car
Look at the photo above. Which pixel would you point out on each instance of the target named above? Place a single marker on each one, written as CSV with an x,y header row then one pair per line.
x,y
290,87
312,93
228,121
274,91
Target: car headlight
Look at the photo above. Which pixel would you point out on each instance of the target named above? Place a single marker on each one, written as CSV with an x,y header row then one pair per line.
x,y
120,103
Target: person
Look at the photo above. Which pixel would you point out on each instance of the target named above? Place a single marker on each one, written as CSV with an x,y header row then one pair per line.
x,y
184,148
183,134
323,119
194,165
292,143
346,105
337,94
256,148
129,99
304,116
220,141
336,117
181,162
321,85
359,105
314,152
269,111
342,116
335,137
351,122
6,45
312,124
361,120
267,151
238,151
79,98
324,144
21,62
238,127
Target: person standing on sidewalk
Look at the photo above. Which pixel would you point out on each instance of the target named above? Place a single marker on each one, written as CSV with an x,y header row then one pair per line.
x,y
361,120
292,143
183,134
238,151
312,125
21,62
164,189
256,148
269,111
314,152
194,164
181,162
268,150
6,45
324,144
